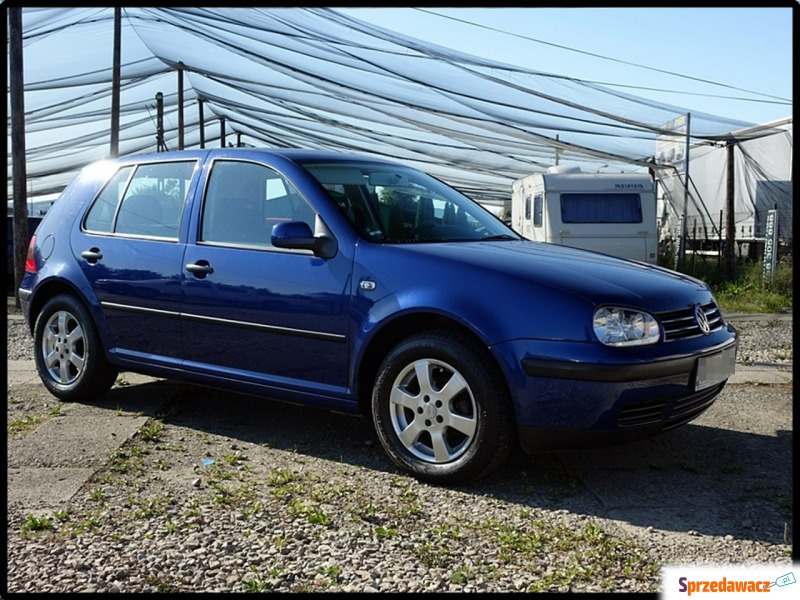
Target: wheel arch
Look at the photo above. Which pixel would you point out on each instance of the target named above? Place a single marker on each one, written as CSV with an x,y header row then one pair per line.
x,y
395,331
50,289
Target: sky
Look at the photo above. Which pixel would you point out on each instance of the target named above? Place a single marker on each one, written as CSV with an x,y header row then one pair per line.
x,y
730,62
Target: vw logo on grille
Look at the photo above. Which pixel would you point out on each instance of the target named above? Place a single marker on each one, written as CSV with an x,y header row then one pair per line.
x,y
702,320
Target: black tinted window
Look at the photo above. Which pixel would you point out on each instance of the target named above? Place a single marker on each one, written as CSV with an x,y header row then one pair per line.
x,y
601,208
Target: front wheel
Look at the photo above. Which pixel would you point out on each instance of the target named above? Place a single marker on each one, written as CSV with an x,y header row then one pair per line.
x,y
440,409
68,354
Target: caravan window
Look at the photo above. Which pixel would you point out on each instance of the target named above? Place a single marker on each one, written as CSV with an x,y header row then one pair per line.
x,y
601,208
538,200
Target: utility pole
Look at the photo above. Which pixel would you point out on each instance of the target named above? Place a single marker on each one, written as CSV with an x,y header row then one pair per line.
x,y
202,123
730,228
180,106
115,82
19,173
685,218
160,145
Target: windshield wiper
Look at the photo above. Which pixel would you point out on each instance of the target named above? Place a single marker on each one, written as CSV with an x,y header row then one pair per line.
x,y
500,237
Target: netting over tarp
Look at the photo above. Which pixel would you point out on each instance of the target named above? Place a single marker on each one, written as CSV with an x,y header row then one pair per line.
x,y
313,77
761,173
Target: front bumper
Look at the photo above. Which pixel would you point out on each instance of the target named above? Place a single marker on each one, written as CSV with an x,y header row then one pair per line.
x,y
565,403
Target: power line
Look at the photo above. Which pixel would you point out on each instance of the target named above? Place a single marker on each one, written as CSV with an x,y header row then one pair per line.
x,y
617,60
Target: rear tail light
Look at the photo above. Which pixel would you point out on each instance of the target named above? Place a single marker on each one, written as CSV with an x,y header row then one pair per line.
x,y
30,263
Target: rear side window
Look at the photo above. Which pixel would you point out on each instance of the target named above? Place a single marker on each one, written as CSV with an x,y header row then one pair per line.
x,y
601,208
144,200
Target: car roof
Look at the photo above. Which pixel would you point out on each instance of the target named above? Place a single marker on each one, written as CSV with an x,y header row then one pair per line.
x,y
293,154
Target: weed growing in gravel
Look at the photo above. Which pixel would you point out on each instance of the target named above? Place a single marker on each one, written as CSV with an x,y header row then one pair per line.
x,y
126,461
151,431
163,584
256,582
171,527
33,523
431,554
28,422
239,496
24,423
61,515
385,532
314,514
143,508
88,523
461,575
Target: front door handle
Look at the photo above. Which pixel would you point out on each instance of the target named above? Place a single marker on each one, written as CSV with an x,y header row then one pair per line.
x,y
200,269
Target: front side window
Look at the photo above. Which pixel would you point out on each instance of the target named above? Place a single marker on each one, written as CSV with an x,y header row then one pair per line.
x,y
601,208
144,200
245,200
397,204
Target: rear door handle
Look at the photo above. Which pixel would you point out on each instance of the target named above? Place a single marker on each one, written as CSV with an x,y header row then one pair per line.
x,y
92,256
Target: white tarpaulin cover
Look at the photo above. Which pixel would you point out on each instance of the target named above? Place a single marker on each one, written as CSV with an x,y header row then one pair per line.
x,y
314,77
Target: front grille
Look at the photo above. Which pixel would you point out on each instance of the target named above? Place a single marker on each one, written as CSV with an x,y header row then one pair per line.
x,y
641,413
681,324
689,407
683,410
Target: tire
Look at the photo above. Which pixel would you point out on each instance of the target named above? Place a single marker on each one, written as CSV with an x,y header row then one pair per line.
x,y
69,356
441,410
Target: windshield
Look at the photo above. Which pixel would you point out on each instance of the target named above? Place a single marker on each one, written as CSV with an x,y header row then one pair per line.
x,y
393,203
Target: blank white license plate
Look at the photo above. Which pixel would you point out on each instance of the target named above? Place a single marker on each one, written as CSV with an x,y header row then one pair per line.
x,y
715,369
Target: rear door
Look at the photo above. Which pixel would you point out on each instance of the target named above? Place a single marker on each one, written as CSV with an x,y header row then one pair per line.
x,y
255,312
130,251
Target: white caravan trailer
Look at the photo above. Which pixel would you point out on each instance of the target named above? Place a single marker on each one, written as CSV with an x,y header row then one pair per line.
x,y
613,213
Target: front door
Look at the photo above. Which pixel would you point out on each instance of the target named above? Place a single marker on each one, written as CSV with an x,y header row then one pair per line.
x,y
255,312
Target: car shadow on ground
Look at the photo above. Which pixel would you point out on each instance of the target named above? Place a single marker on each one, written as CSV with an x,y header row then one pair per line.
x,y
708,480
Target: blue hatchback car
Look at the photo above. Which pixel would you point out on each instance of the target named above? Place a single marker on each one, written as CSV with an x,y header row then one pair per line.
x,y
361,285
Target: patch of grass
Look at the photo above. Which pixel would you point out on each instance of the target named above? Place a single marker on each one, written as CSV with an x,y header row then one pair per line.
x,y
749,293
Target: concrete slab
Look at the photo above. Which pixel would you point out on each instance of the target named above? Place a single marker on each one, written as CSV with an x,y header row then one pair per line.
x,y
83,440
44,490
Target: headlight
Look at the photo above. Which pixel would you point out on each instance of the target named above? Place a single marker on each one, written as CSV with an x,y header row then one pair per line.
x,y
625,327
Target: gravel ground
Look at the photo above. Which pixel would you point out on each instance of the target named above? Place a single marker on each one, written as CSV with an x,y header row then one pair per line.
x,y
242,499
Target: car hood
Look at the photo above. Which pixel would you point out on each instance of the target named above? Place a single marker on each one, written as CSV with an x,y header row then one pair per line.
x,y
597,278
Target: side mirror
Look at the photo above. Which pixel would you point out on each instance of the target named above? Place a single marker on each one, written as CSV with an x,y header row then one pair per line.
x,y
297,235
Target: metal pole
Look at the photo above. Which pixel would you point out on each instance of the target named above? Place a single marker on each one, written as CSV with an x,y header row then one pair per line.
x,y
682,244
160,146
180,106
19,174
115,83
202,123
730,259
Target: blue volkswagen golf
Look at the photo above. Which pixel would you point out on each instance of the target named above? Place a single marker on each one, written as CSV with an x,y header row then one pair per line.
x,y
361,285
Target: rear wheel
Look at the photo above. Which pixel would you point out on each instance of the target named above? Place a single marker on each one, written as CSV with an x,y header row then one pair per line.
x,y
440,409
67,351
